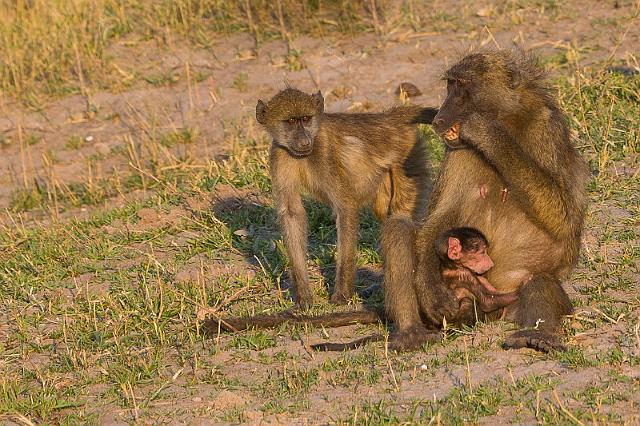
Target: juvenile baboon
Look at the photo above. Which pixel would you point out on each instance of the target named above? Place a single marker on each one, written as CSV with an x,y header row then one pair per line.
x,y
508,132
346,161
463,259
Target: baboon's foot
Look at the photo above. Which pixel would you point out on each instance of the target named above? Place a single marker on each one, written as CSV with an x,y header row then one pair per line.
x,y
539,340
370,291
341,297
304,299
440,303
413,338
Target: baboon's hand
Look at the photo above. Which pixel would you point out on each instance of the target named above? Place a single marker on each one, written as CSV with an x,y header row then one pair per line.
x,y
474,131
439,302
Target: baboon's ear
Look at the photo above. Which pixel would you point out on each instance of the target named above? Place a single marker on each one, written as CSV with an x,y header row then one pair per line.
x,y
515,77
454,251
261,111
319,100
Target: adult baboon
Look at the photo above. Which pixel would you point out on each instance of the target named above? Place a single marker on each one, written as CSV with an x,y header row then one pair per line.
x,y
505,131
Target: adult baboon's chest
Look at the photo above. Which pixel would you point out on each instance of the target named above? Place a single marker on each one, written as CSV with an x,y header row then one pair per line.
x,y
483,200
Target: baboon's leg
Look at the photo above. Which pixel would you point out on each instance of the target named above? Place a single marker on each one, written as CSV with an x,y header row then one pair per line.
x,y
410,194
436,299
381,203
401,303
543,304
347,224
293,220
403,196
411,182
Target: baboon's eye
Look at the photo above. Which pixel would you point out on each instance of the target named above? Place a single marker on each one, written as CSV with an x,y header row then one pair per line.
x,y
291,120
306,118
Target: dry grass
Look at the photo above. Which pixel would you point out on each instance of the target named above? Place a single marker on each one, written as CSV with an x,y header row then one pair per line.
x,y
58,47
51,48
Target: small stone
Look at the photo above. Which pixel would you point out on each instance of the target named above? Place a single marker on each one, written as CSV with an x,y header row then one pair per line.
x,y
196,399
242,233
485,12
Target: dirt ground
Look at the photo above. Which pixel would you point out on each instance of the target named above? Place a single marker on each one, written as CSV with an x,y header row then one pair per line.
x,y
202,114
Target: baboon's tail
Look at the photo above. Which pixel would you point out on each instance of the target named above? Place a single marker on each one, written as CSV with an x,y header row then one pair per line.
x,y
425,115
338,319
339,347
413,114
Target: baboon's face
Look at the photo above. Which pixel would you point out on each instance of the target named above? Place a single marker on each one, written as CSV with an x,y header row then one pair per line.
x,y
292,119
296,134
477,261
454,109
478,83
465,250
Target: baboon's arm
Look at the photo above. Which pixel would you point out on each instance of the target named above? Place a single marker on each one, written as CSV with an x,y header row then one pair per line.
x,y
533,186
397,238
489,301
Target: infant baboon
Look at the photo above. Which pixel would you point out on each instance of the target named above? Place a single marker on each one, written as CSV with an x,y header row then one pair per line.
x,y
346,161
463,259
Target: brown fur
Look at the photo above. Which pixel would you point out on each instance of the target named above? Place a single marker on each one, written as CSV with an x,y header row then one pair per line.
x,y
513,135
346,161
